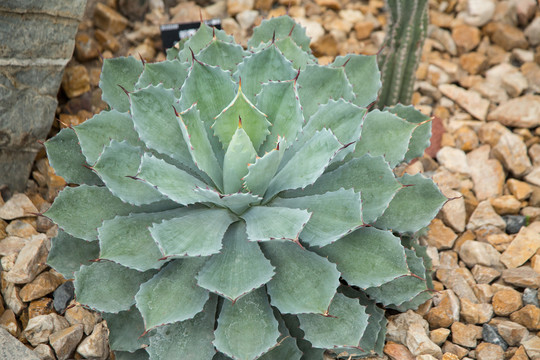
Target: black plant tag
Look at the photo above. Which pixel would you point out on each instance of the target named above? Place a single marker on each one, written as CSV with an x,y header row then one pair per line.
x,y
172,33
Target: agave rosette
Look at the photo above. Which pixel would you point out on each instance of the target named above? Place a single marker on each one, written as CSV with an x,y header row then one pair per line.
x,y
225,193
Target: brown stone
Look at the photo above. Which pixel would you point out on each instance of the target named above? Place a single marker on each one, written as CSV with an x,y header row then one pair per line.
x,y
440,236
506,302
464,335
397,351
506,204
500,241
487,174
528,316
520,354
106,40
520,189
21,229
509,37
513,333
326,45
511,151
473,313
65,341
31,261
455,281
79,315
43,284
452,348
483,292
469,100
108,19
86,48
484,274
474,63
519,112
363,29
523,247
489,351
11,245
17,207
466,138
95,346
466,38
76,81
439,336
532,347
8,321
38,307
523,276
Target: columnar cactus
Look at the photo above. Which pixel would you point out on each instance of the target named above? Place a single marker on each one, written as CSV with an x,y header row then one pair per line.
x,y
242,203
402,50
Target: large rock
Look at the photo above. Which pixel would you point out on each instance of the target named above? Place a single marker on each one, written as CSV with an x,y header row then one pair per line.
x,y
519,112
13,349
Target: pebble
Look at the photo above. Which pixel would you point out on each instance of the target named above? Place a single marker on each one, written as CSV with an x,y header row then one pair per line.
x,y
455,281
469,100
484,217
489,351
534,154
79,315
398,325
487,174
520,354
43,306
65,341
42,285
523,247
532,32
44,352
107,19
511,151
534,176
523,276
508,37
30,262
530,297
484,274
466,138
419,343
21,229
506,204
86,48
453,211
474,63
40,327
439,336
473,313
76,81
62,296
479,12
397,351
532,347
514,223
452,348
440,236
11,245
506,302
453,159
17,207
475,252
512,333
108,41
518,112
12,348
464,335
10,292
8,321
466,38
96,346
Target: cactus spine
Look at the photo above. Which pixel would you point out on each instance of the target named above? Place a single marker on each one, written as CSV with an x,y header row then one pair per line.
x,y
401,52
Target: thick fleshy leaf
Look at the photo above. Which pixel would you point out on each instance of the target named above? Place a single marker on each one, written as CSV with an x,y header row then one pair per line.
x,y
299,57
413,207
126,330
279,101
344,327
287,348
248,328
93,204
279,27
421,135
367,257
304,282
156,122
252,120
96,133
371,176
171,74
403,288
271,223
261,67
190,339
201,39
363,74
306,165
334,215
123,71
237,203
196,233
137,355
343,118
127,240
169,180
116,166
199,145
240,153
239,268
212,89
226,55
384,133
293,325
172,295
263,170
318,84
96,288
68,253
65,156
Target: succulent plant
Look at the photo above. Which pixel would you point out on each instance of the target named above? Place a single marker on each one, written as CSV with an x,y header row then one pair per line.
x,y
242,204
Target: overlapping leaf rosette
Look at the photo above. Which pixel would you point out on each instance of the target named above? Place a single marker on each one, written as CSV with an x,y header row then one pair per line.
x,y
227,191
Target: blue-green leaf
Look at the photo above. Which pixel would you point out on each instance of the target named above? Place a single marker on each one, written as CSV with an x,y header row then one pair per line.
x,y
68,253
271,223
123,71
